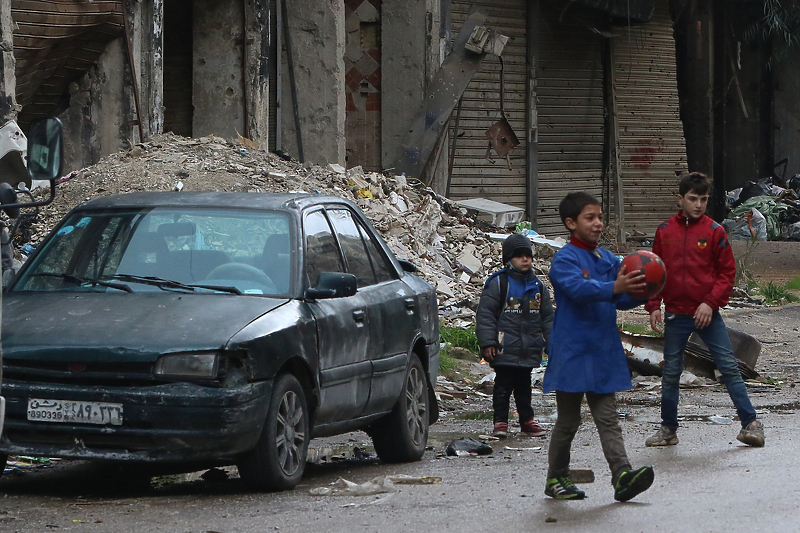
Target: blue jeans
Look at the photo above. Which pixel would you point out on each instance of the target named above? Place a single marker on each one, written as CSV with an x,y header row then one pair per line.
x,y
677,329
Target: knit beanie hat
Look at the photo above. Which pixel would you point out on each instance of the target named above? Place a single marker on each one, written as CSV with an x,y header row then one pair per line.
x,y
514,243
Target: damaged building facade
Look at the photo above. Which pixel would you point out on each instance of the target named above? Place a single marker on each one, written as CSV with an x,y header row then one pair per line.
x,y
588,89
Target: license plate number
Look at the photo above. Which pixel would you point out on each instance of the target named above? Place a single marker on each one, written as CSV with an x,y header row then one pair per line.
x,y
70,411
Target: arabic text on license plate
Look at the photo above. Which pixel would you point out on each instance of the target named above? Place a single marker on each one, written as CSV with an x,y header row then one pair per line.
x,y
71,411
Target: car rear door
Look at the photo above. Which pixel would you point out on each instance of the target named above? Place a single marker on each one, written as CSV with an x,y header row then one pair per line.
x,y
391,308
342,326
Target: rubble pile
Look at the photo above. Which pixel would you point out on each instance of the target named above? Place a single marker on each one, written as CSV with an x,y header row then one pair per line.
x,y
449,249
762,210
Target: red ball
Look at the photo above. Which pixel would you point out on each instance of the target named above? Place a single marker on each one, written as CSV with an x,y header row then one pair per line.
x,y
653,268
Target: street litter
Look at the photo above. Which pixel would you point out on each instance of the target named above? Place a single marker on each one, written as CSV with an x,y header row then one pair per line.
x,y
509,448
377,485
467,446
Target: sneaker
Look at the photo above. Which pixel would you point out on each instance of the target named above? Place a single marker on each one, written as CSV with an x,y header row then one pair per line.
x,y
633,482
562,488
500,430
752,435
531,428
663,437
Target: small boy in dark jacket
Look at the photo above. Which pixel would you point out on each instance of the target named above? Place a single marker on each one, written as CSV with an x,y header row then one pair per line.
x,y
513,324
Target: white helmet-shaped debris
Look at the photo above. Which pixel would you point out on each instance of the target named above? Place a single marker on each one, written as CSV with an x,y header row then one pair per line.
x,y
13,147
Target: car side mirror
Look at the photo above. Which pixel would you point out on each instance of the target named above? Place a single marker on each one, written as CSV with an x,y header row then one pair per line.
x,y
407,266
333,285
46,149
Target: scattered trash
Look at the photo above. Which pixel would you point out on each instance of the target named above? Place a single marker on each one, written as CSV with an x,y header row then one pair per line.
x,y
378,485
690,380
721,420
509,448
467,446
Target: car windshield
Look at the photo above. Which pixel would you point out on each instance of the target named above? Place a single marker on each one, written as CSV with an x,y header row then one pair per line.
x,y
165,249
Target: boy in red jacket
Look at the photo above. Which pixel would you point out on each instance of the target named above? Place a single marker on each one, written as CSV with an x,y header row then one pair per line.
x,y
700,274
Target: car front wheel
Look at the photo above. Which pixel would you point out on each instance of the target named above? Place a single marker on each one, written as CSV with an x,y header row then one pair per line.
x,y
279,458
402,435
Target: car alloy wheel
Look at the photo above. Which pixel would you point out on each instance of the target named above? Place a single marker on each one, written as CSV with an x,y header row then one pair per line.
x,y
291,433
402,435
279,458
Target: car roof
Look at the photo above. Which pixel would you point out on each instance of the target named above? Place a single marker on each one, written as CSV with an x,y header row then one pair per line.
x,y
275,201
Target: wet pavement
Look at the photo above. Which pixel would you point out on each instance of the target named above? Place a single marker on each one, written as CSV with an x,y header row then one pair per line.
x,y
707,483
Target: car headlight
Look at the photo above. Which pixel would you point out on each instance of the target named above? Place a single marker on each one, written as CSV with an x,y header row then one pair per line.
x,y
188,365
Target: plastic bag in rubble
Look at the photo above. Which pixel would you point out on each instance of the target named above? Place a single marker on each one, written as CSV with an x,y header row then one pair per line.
x,y
751,225
792,232
467,446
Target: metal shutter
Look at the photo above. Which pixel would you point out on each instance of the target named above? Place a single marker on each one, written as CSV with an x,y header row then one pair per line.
x,y
651,142
473,175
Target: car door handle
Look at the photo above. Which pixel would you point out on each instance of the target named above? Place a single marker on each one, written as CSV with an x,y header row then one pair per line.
x,y
358,315
410,304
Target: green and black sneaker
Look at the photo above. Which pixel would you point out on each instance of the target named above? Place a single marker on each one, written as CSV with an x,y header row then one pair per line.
x,y
562,488
633,482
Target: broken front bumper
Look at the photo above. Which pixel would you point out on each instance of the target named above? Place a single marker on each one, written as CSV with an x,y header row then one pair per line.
x,y
170,422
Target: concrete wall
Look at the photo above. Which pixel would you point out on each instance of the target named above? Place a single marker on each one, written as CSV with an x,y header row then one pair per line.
x,y
317,40
218,94
8,79
94,123
415,41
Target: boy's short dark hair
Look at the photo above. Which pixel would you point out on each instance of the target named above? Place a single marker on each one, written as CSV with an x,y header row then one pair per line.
x,y
573,203
694,181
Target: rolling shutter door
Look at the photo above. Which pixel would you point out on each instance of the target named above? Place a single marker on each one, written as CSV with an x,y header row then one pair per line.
x,y
570,111
651,142
473,175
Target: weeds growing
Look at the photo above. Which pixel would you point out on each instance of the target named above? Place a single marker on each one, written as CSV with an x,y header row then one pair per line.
x,y
461,337
774,294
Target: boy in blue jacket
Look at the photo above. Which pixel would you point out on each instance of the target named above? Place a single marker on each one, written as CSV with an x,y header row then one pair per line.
x,y
512,325
585,355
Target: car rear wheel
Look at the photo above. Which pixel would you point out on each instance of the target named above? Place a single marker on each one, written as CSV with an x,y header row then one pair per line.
x,y
402,435
279,458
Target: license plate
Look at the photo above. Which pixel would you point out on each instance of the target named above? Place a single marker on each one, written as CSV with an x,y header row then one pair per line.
x,y
71,411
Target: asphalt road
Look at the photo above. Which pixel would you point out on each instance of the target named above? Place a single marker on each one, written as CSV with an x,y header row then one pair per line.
x,y
708,483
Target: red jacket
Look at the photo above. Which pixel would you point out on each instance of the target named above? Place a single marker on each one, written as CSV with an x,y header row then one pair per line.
x,y
700,265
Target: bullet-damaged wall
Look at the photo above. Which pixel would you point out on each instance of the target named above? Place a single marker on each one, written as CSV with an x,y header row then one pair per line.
x,y
218,94
317,44
94,121
414,44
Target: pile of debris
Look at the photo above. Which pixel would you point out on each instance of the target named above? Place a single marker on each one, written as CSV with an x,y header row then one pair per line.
x,y
762,210
449,248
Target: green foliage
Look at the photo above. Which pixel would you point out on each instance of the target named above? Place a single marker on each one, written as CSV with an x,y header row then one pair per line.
x,y
479,415
447,365
780,26
773,294
744,276
461,337
522,226
793,284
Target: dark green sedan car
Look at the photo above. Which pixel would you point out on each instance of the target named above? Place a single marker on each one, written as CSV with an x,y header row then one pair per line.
x,y
217,327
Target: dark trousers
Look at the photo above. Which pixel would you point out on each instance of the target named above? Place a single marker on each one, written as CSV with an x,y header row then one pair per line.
x,y
604,412
510,379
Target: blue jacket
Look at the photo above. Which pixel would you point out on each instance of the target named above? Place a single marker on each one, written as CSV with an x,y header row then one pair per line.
x,y
524,315
585,351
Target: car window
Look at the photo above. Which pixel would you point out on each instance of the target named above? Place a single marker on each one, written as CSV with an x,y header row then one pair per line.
x,y
322,252
247,250
358,262
380,265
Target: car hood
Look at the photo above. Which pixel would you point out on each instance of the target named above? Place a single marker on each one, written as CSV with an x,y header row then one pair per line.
x,y
137,327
